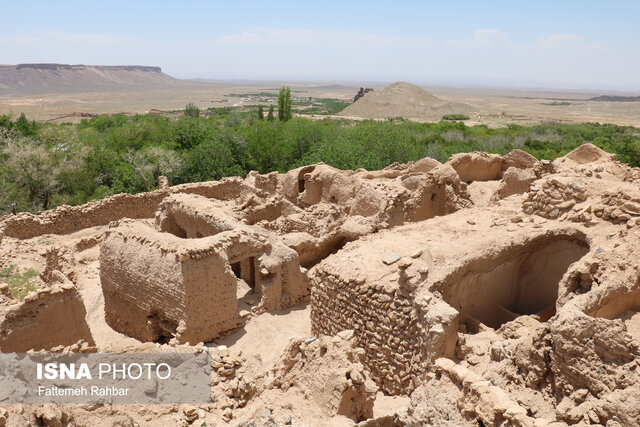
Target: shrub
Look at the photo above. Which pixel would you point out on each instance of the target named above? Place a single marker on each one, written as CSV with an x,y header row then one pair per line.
x,y
191,110
453,117
19,283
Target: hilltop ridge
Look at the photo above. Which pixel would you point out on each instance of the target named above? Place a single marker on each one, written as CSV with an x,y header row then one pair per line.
x,y
402,99
69,77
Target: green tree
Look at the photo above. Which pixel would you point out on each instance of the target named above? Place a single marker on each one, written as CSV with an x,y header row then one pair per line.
x,y
287,105
35,171
260,112
25,127
284,104
191,110
271,116
152,162
211,160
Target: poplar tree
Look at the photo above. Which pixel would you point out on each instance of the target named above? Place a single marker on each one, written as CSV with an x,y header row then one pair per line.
x,y
284,104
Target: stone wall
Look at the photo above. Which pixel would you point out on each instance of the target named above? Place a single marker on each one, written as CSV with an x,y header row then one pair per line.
x,y
401,335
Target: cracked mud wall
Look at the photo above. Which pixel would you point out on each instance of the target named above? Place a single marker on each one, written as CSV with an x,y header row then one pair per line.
x,y
51,317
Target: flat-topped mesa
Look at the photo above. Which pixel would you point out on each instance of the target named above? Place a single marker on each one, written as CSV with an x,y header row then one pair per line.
x,y
53,66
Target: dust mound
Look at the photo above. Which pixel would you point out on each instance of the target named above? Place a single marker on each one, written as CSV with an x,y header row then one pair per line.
x,y
403,99
60,77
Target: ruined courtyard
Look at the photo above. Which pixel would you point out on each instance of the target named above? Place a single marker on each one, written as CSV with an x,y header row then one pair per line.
x,y
488,290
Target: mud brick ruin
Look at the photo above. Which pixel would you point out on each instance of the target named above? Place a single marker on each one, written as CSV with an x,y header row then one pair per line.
x,y
500,290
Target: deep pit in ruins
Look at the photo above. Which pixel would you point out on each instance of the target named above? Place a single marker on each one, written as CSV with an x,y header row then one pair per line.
x,y
522,281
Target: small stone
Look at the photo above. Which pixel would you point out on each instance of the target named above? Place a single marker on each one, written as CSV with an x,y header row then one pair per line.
x,y
471,222
405,263
309,340
391,258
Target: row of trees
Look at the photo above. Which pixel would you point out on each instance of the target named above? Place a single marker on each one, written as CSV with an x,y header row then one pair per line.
x,y
284,106
46,165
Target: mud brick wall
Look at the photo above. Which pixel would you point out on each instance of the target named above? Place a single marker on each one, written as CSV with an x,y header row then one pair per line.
x,y
48,318
151,281
385,323
68,219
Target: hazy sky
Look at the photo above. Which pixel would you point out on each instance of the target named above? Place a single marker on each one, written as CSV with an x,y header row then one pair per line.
x,y
571,44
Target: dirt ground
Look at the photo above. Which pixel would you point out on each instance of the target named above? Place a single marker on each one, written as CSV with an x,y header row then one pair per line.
x,y
492,107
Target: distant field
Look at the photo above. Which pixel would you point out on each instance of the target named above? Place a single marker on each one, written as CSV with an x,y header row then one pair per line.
x,y
494,107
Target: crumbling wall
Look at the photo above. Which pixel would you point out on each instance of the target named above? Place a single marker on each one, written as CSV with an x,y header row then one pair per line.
x,y
514,181
587,365
154,288
58,259
455,395
383,325
476,166
331,372
583,199
192,216
160,286
67,219
47,318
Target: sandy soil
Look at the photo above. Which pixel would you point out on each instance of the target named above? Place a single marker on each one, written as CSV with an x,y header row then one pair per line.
x,y
267,334
492,107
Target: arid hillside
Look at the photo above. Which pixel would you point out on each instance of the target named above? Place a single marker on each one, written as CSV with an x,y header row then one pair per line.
x,y
403,99
32,78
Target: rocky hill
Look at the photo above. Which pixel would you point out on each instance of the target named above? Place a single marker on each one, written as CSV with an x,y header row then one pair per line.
x,y
403,99
65,77
612,98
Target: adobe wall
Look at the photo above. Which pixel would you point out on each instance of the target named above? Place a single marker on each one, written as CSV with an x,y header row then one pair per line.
x,y
48,318
154,286
385,325
391,288
67,219
192,216
278,277
188,286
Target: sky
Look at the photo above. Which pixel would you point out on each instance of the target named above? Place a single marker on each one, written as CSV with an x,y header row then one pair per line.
x,y
547,44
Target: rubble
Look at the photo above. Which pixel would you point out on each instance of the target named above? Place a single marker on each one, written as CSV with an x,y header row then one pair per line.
x,y
492,290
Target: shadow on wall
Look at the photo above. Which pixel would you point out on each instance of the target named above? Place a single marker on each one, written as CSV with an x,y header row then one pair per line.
x,y
525,283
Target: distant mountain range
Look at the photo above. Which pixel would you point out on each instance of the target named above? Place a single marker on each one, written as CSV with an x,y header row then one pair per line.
x,y
65,77
615,98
